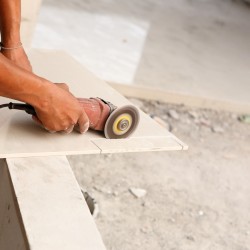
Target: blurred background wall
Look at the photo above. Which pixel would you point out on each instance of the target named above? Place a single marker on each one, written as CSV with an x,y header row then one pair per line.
x,y
194,48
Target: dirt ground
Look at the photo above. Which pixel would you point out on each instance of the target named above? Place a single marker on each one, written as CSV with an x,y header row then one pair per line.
x,y
196,199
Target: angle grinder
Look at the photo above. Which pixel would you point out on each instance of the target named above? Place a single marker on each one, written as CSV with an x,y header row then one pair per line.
x,y
116,123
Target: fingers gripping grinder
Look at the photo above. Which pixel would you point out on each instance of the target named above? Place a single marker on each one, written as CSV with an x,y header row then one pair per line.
x,y
116,123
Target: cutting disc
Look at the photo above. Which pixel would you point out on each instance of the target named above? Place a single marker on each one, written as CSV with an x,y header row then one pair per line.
x,y
122,122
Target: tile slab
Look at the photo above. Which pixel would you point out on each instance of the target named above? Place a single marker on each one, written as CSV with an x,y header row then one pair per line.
x,y
137,144
20,137
54,213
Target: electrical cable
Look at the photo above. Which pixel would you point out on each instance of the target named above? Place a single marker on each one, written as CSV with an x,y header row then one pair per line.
x,y
4,105
19,106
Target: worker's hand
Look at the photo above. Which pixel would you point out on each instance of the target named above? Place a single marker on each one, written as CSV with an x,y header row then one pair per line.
x,y
19,57
61,111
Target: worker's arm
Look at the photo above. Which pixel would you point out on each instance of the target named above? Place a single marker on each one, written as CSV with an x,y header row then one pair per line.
x,y
10,18
55,107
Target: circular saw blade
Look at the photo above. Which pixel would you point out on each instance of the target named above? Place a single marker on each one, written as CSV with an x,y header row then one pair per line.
x,y
127,110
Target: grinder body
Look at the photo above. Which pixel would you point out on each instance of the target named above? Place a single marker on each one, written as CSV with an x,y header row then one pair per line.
x,y
97,111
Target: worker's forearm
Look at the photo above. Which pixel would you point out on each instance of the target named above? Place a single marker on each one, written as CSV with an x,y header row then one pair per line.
x,y
19,84
10,18
56,108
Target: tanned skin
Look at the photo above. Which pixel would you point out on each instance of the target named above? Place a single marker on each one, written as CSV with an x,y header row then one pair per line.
x,y
56,108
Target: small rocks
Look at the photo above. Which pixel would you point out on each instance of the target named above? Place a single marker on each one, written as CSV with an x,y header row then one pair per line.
x,y
145,230
138,192
204,122
103,190
217,129
190,237
193,114
244,118
172,220
115,193
200,213
108,156
173,114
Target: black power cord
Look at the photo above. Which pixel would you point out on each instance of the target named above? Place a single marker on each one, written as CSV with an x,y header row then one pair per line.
x,y
19,106
4,105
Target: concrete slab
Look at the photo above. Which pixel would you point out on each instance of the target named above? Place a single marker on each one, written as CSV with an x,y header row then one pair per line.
x,y
52,209
20,137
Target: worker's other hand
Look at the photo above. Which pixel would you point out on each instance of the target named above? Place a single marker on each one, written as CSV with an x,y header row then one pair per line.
x,y
61,111
19,57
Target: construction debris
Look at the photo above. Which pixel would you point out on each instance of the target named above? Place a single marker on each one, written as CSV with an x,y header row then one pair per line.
x,y
244,118
173,114
217,129
193,114
138,192
200,213
190,237
204,122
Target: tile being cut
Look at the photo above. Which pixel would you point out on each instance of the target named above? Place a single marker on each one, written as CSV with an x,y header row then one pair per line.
x,y
21,137
137,144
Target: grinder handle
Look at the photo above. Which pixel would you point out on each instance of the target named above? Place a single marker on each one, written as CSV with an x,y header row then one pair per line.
x,y
21,106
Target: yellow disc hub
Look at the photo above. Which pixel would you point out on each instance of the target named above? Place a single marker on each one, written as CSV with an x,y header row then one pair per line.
x,y
122,124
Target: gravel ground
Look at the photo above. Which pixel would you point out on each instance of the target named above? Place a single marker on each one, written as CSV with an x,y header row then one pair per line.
x,y
195,199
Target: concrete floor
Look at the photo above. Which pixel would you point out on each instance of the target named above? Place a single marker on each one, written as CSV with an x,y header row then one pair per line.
x,y
196,199
191,48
